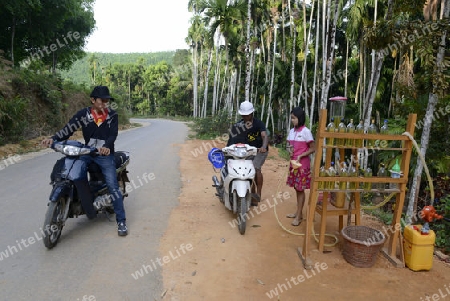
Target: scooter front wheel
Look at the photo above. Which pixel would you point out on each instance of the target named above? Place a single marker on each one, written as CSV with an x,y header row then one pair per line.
x,y
52,225
242,214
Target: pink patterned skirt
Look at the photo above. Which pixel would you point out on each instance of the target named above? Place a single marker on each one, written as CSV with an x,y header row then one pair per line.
x,y
299,178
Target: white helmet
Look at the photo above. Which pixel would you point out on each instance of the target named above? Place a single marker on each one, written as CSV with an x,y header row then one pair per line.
x,y
246,108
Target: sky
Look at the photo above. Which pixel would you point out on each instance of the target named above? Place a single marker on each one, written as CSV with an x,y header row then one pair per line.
x,y
124,26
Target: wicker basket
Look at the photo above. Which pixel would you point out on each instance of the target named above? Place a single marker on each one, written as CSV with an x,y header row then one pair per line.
x,y
361,245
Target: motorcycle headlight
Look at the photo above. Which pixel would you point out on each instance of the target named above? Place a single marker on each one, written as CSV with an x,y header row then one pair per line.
x,y
240,151
71,150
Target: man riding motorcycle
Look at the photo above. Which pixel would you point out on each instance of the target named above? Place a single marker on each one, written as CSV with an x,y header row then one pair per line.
x,y
99,125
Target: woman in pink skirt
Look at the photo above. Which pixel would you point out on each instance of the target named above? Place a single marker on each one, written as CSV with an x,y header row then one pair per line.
x,y
300,145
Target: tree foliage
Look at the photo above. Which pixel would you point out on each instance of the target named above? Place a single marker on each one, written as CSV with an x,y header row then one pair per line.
x,y
51,31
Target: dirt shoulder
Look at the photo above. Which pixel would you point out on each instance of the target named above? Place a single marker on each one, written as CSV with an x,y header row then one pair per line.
x,y
214,262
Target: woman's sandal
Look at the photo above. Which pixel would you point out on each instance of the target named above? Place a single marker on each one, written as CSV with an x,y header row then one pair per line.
x,y
296,223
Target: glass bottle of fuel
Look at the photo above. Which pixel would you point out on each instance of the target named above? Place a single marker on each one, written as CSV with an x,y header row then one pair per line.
x,y
343,173
330,129
385,131
359,130
322,173
384,128
352,172
368,174
341,129
331,172
382,173
372,130
350,129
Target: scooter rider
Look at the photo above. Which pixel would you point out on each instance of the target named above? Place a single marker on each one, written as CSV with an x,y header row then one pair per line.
x,y
99,125
252,131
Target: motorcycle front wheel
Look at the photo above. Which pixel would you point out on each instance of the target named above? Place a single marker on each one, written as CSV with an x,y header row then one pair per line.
x,y
53,223
242,214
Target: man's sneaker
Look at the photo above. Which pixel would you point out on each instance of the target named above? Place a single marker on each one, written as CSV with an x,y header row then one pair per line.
x,y
122,229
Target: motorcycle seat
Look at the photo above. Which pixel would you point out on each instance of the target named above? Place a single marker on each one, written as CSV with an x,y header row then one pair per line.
x,y
121,158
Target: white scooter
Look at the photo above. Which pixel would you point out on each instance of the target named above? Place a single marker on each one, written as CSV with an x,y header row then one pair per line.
x,y
237,175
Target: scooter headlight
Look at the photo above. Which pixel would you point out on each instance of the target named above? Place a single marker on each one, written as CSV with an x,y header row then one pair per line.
x,y
71,150
240,151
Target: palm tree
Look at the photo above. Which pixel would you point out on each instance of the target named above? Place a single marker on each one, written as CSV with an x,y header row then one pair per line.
x,y
195,36
432,102
222,18
329,58
247,52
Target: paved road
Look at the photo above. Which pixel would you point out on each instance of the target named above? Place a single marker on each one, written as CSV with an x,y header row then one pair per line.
x,y
90,262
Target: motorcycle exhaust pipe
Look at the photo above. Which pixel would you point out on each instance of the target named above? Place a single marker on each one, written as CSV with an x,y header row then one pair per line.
x,y
215,181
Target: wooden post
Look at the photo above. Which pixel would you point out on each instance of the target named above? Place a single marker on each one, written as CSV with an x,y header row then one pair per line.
x,y
390,251
312,202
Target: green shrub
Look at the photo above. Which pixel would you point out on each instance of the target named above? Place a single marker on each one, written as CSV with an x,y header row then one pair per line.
x,y
212,126
13,119
442,227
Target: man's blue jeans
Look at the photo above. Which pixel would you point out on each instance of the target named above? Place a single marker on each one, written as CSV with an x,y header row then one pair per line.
x,y
108,167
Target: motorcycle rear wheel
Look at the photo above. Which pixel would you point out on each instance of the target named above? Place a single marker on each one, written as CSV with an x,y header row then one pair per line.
x,y
242,214
122,184
52,225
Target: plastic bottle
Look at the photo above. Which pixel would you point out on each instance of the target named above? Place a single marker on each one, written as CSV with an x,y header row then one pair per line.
x,y
359,130
368,174
330,129
350,129
395,174
372,130
382,173
341,129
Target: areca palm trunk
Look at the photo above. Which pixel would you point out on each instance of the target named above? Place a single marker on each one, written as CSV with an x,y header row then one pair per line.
x,y
294,39
195,78
252,70
291,99
325,28
215,106
330,57
205,92
266,72
304,71
224,79
272,79
346,69
375,76
255,78
316,63
247,52
428,120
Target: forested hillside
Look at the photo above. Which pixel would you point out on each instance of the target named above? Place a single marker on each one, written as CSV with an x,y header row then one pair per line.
x,y
80,71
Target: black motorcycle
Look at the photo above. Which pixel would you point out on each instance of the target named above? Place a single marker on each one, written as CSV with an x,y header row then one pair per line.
x,y
64,201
